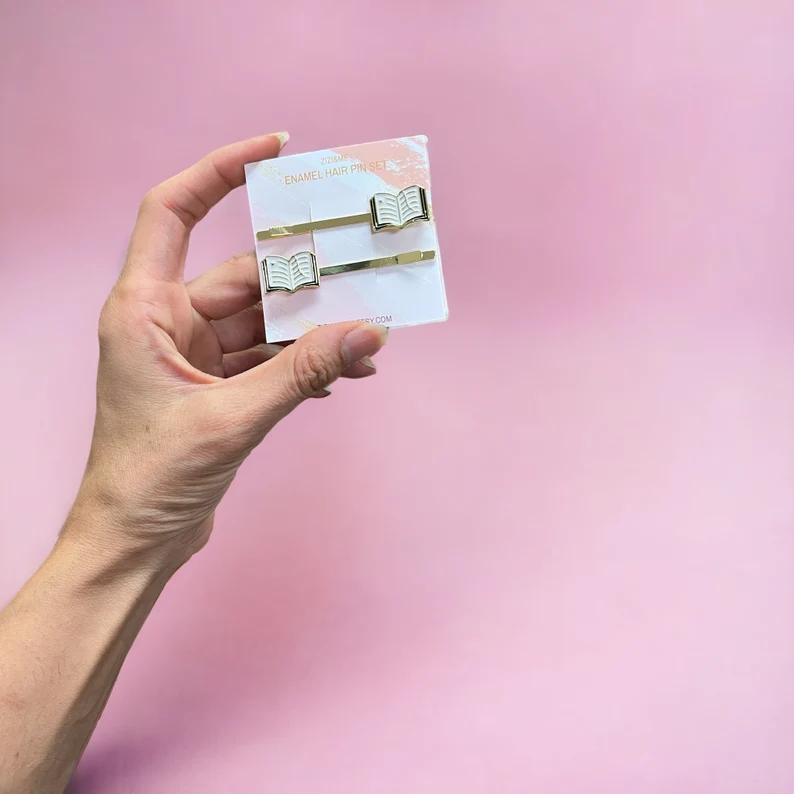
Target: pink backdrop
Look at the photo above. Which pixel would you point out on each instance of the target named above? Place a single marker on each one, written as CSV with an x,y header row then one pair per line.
x,y
551,545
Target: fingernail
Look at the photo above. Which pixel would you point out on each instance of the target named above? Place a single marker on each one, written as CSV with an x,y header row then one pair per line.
x,y
283,137
367,362
324,392
363,341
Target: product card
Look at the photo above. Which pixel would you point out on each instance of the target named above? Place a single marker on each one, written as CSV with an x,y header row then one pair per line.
x,y
347,234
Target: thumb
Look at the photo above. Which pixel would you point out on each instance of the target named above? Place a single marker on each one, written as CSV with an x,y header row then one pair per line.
x,y
305,368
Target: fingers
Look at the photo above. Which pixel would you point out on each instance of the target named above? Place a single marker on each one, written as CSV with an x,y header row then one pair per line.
x,y
360,369
242,330
227,289
241,359
305,368
237,363
168,212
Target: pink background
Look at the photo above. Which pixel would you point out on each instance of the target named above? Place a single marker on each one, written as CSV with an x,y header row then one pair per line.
x,y
551,546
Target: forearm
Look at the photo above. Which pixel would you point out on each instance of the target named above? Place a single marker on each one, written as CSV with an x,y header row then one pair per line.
x,y
63,640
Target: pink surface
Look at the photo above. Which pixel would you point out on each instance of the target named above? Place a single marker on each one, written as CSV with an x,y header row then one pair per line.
x,y
551,546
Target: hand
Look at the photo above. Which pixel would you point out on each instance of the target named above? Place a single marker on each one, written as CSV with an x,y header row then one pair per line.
x,y
185,389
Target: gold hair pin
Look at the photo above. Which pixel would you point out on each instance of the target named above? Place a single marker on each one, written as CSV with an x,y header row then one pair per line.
x,y
386,211
301,271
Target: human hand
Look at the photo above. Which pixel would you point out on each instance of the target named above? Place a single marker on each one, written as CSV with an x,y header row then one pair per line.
x,y
185,388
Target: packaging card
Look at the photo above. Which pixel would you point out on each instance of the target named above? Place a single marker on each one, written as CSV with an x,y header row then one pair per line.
x,y
340,183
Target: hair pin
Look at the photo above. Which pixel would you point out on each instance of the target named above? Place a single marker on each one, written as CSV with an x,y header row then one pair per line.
x,y
300,271
386,211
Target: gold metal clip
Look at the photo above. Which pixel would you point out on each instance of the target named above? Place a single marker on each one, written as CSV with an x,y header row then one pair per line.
x,y
386,211
301,270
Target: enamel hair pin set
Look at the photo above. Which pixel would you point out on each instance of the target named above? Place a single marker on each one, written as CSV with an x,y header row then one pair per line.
x,y
361,214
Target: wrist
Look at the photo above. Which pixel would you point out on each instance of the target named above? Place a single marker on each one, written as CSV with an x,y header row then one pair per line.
x,y
111,541
103,582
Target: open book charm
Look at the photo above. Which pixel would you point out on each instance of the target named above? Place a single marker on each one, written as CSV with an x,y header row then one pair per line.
x,y
390,211
290,275
386,211
301,271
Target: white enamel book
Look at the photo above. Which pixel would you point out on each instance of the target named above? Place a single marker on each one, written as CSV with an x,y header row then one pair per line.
x,y
347,234
398,210
291,274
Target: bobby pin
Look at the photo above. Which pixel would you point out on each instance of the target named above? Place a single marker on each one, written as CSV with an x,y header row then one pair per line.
x,y
300,271
386,211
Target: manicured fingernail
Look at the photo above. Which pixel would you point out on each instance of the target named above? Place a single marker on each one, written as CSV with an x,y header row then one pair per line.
x,y
326,392
367,362
363,341
283,137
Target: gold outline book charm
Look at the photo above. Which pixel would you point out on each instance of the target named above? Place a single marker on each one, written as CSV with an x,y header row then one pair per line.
x,y
301,271
386,211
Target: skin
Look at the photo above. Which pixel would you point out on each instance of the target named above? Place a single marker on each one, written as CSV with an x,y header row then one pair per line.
x,y
186,389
